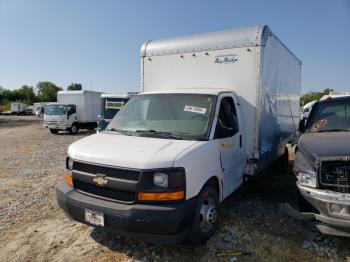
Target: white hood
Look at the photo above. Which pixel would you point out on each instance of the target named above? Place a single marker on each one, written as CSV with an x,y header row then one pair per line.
x,y
128,151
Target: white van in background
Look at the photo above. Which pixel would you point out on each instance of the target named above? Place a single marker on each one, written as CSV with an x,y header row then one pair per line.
x,y
18,108
110,106
74,110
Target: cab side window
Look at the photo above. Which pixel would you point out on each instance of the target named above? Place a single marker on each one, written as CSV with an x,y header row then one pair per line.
x,y
227,124
71,110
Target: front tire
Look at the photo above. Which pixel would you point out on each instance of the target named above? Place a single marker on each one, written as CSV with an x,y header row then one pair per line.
x,y
206,216
73,129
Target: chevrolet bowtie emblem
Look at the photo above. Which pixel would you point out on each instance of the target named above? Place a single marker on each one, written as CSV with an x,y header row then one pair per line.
x,y
101,181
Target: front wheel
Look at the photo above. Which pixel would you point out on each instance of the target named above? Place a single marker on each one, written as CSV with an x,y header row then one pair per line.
x,y
206,216
73,129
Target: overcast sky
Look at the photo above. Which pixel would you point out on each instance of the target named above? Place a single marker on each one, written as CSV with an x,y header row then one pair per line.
x,y
99,41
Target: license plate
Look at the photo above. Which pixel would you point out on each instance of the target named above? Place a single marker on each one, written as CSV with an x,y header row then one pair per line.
x,y
94,218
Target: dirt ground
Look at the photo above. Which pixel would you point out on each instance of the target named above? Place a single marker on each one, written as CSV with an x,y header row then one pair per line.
x,y
33,228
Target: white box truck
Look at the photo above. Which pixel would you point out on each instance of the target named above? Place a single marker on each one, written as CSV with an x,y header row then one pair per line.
x,y
18,108
110,106
74,110
215,107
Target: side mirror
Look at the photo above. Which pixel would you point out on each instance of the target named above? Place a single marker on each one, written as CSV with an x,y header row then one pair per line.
x,y
302,125
99,116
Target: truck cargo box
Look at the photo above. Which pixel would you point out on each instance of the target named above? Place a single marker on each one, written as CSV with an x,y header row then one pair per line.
x,y
88,103
252,62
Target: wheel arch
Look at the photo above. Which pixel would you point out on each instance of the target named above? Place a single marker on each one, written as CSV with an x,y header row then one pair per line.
x,y
216,183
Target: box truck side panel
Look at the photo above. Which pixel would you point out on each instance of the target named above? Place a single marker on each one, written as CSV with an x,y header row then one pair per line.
x,y
96,106
280,95
230,69
75,98
92,106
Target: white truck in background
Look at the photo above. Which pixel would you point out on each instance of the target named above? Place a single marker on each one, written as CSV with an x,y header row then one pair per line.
x,y
74,110
39,108
215,107
18,108
110,106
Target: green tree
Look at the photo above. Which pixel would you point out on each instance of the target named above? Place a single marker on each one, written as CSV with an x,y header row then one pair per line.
x,y
47,91
75,86
311,96
26,94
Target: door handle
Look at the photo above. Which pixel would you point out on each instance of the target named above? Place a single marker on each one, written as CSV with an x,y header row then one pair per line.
x,y
240,140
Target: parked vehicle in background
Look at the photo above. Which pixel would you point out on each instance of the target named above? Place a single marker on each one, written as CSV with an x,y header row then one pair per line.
x,y
29,110
334,94
18,108
307,109
39,108
322,167
215,107
74,110
110,106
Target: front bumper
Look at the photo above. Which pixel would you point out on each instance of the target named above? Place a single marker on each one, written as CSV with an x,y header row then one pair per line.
x,y
332,223
58,126
154,223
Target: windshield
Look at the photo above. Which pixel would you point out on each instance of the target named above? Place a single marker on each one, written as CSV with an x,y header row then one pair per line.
x,y
55,110
328,117
188,116
111,106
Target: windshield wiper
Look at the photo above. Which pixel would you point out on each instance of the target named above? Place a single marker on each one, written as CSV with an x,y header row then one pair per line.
x,y
333,130
124,132
160,133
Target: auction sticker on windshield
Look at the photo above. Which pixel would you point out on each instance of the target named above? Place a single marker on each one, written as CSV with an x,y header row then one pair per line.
x,y
195,109
320,123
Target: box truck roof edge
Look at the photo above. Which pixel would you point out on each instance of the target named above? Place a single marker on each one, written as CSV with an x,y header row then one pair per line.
x,y
225,39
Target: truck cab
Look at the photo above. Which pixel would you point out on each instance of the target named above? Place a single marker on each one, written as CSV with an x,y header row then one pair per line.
x,y
171,157
59,116
322,167
110,106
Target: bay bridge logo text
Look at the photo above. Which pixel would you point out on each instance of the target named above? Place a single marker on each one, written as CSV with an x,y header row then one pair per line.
x,y
228,59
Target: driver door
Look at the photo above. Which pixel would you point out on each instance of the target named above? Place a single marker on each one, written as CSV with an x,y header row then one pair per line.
x,y
71,115
228,133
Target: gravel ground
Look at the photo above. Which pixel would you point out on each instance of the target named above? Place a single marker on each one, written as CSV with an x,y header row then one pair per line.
x,y
33,228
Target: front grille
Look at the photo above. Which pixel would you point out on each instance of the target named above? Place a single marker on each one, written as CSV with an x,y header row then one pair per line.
x,y
123,196
107,171
335,175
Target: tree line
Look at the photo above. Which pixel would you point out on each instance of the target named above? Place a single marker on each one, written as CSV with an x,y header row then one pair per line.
x,y
47,92
311,96
42,92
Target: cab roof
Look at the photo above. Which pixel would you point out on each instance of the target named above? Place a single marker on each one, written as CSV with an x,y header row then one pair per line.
x,y
334,99
202,91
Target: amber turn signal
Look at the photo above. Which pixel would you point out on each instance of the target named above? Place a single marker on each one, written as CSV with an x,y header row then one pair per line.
x,y
69,179
164,196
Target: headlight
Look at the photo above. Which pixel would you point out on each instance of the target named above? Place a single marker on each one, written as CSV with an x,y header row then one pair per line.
x,y
69,163
160,185
306,179
160,179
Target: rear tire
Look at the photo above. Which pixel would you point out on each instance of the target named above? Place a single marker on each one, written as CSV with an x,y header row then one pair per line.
x,y
73,129
206,217
54,131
